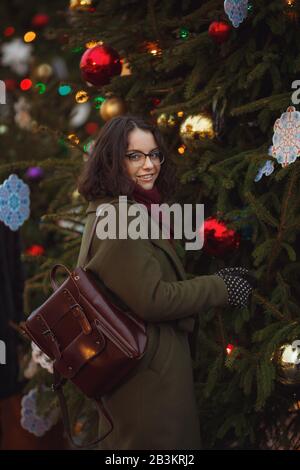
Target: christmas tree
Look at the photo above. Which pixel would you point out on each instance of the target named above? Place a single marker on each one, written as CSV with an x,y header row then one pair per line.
x,y
215,77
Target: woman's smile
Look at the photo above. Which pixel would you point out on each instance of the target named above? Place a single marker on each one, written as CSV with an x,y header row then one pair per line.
x,y
147,177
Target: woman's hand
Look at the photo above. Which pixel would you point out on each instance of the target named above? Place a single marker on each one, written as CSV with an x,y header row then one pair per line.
x,y
240,283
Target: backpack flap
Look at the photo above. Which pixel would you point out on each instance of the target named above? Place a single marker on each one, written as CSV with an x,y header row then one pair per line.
x,y
81,350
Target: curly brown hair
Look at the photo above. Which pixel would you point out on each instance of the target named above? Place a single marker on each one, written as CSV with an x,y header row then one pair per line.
x,y
104,173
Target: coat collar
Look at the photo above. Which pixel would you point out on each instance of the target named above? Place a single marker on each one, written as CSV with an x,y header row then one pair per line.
x,y
161,243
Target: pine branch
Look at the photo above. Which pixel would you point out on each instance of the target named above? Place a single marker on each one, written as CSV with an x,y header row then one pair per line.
x,y
282,225
261,212
268,306
263,103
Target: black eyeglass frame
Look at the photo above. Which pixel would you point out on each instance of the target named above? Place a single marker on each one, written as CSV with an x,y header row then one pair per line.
x,y
146,154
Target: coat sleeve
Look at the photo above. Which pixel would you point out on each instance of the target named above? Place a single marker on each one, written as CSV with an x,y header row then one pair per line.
x,y
130,270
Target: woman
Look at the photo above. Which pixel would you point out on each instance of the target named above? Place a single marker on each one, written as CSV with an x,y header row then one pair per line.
x,y
155,408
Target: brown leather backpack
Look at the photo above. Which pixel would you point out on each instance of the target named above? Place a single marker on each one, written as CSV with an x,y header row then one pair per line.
x,y
92,342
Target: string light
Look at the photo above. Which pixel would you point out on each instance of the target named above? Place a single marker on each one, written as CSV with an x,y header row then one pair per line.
x,y
41,87
91,127
10,84
184,33
291,10
153,51
156,101
98,101
229,348
39,20
91,44
30,36
35,250
77,49
26,84
9,31
64,90
153,48
74,139
81,96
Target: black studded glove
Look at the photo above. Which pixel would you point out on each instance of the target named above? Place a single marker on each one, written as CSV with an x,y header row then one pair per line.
x,y
241,272
239,282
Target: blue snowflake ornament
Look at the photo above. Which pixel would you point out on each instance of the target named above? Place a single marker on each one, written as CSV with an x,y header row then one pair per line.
x,y
266,169
31,420
236,10
14,202
286,137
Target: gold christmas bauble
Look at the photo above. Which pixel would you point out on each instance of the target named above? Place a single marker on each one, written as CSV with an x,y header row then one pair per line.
x,y
171,120
80,5
197,127
162,120
287,361
112,107
166,120
43,71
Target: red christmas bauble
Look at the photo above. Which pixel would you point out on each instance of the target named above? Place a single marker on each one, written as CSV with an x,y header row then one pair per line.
x,y
99,64
156,101
39,20
219,240
219,31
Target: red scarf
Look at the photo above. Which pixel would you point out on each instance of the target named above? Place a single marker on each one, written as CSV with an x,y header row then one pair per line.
x,y
148,197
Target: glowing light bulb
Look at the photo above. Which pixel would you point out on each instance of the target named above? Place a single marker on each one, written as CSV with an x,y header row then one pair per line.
x,y
30,36
229,348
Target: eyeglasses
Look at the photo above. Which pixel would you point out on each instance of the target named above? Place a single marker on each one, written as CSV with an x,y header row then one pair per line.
x,y
138,157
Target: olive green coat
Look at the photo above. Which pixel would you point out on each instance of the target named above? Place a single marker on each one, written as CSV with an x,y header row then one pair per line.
x,y
155,409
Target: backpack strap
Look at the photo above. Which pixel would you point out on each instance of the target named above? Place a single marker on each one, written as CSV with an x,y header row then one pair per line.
x,y
92,233
57,387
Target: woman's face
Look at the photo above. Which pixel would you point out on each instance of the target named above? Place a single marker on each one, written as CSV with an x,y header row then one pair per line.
x,y
144,141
